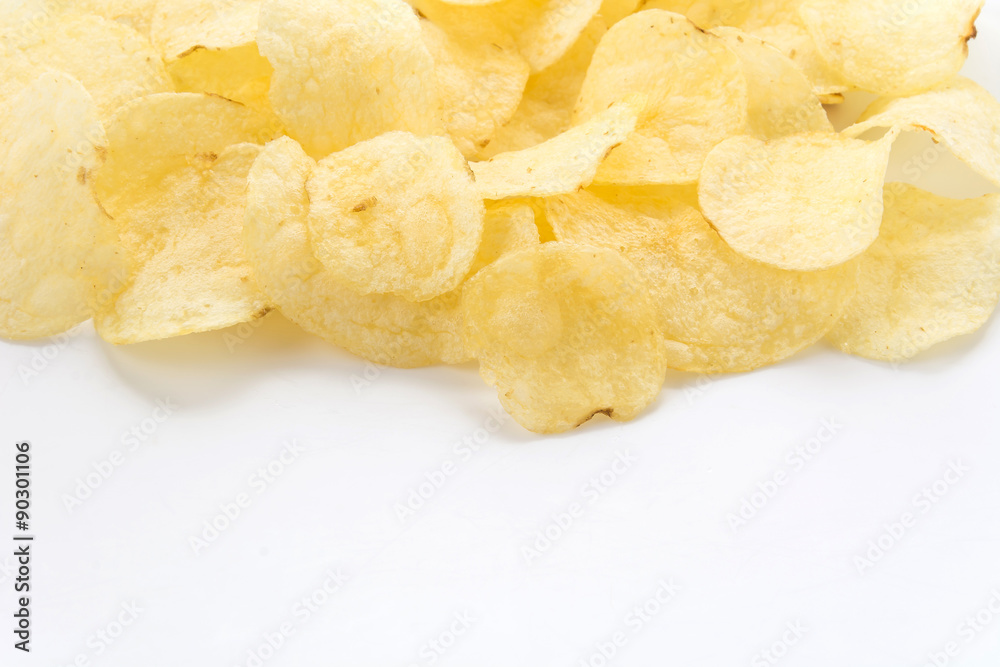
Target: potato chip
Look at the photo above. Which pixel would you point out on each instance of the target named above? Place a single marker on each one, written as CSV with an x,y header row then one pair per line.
x,y
382,328
348,70
136,14
706,14
562,164
480,82
803,203
113,62
893,47
543,29
58,249
721,311
932,275
565,332
960,114
175,183
397,214
696,88
781,99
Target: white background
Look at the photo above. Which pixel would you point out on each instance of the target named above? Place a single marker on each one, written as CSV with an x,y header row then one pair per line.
x,y
705,447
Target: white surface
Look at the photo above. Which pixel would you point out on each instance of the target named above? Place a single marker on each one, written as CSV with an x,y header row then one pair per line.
x,y
699,452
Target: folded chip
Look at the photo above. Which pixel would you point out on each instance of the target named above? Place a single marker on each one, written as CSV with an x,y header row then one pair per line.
x,y
932,275
565,332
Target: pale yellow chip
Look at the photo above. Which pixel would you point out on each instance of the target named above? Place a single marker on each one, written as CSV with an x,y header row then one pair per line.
x,y
397,214
960,114
781,99
893,47
348,70
175,183
697,96
804,203
113,62
565,332
481,78
933,274
706,14
382,328
565,163
136,14
58,249
718,311
544,30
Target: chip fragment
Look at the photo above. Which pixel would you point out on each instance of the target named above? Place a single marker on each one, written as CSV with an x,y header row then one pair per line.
x,y
58,249
397,214
932,275
565,332
802,203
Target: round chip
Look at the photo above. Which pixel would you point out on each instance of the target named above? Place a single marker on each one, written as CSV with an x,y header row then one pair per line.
x,y
397,214
58,249
564,333
719,312
803,203
696,89
932,275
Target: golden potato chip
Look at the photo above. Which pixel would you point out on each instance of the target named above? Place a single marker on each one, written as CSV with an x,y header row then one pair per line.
x,y
397,214
136,14
706,14
781,99
175,183
696,88
932,275
113,62
803,203
893,47
211,47
348,70
383,328
960,114
58,249
480,82
543,29
565,332
562,164
613,11
720,311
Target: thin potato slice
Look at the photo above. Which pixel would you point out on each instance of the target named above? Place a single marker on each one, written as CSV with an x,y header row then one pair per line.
x,y
397,214
697,96
933,274
565,163
565,332
802,203
781,99
382,328
720,312
348,70
58,249
893,47
175,183
136,14
961,114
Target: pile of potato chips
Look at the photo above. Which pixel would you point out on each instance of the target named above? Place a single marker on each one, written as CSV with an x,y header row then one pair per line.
x,y
577,194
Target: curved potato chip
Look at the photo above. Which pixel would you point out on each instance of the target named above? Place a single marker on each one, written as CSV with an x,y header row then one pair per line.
x,y
706,14
397,214
348,70
696,88
57,247
781,98
175,183
136,14
893,47
382,328
480,81
724,313
562,164
932,275
565,332
802,203
543,29
961,114
113,62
